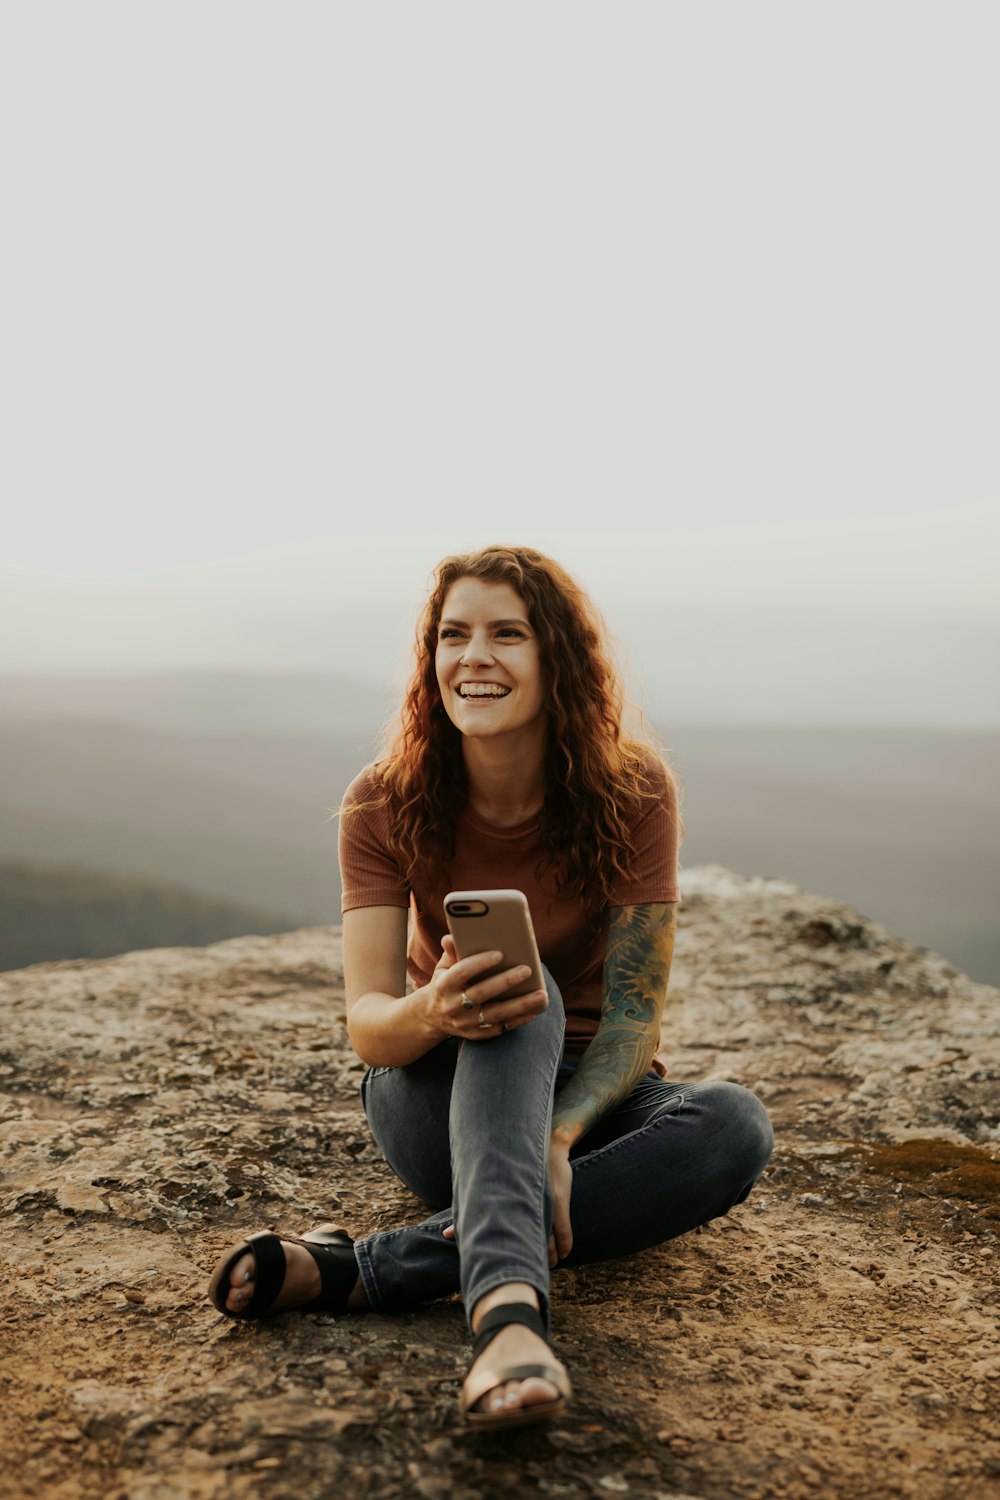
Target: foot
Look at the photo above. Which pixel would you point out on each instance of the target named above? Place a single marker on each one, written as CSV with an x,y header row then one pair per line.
x,y
301,1284
513,1345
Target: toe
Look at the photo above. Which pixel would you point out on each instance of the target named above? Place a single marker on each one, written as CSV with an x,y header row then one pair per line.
x,y
516,1346
496,1399
515,1393
241,1283
534,1391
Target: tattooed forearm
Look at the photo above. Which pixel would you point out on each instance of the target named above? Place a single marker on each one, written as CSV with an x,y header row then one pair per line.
x,y
636,971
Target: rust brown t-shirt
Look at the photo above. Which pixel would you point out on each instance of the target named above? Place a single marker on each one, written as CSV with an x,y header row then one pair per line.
x,y
570,943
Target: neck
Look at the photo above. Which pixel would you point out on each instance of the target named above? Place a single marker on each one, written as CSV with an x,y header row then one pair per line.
x,y
506,782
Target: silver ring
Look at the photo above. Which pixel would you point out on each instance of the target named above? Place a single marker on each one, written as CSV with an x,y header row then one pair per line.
x,y
469,1004
484,1025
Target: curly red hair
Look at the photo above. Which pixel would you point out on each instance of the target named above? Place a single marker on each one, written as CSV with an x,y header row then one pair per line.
x,y
595,773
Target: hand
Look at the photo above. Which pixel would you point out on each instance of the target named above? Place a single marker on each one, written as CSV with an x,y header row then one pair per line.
x,y
561,1183
452,977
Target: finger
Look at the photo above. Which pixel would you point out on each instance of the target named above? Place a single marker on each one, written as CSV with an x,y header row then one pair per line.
x,y
448,957
515,1012
496,986
482,1033
470,973
466,969
471,1028
449,1231
561,1230
514,1024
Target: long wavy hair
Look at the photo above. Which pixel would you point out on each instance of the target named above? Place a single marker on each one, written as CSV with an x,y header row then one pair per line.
x,y
595,774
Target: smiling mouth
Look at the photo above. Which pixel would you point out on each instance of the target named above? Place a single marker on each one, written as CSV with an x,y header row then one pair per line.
x,y
469,690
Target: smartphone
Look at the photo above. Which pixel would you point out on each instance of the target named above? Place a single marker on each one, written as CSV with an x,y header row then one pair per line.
x,y
483,920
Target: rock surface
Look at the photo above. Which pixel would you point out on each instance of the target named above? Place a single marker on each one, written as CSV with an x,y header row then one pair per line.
x,y
835,1335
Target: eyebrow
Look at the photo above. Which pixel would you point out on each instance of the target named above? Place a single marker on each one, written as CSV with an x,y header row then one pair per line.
x,y
491,623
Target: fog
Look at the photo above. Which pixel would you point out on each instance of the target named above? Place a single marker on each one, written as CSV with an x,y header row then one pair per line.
x,y
685,667
226,785
701,300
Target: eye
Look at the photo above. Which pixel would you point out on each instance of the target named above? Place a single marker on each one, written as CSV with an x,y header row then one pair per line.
x,y
447,632
512,630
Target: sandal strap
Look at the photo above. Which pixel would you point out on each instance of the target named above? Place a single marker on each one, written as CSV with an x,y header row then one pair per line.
x,y
333,1252
331,1249
552,1373
269,1272
499,1317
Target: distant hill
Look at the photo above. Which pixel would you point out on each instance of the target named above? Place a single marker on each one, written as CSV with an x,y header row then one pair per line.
x,y
902,823
50,912
242,817
202,702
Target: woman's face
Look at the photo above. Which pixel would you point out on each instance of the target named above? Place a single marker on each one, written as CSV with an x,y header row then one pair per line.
x,y
487,660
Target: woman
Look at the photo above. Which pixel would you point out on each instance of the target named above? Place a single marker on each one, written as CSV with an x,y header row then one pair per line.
x,y
542,1129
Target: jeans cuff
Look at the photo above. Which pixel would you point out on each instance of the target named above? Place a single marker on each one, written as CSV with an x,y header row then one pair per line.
x,y
501,1278
368,1278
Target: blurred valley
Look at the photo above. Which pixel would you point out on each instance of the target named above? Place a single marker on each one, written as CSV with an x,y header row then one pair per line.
x,y
50,911
200,804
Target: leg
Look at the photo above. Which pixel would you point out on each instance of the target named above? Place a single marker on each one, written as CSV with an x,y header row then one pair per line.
x,y
407,1111
414,1140
499,1124
671,1157
499,1114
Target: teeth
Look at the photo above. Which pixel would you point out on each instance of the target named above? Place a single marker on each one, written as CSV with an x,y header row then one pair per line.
x,y
482,690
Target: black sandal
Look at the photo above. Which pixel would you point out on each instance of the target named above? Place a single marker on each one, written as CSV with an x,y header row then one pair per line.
x,y
331,1249
472,1391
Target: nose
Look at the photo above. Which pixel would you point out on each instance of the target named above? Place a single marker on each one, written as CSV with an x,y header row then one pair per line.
x,y
477,652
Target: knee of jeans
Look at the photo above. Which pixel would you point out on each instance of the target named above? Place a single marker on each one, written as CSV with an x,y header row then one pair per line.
x,y
555,996
554,992
748,1123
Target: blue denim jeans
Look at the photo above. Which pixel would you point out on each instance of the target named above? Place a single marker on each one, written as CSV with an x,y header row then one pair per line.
x,y
466,1127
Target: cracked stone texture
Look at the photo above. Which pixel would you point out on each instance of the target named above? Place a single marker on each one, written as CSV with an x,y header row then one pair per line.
x,y
833,1336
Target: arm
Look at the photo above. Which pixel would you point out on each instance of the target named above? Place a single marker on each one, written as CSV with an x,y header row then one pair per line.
x,y
389,1028
385,1024
636,971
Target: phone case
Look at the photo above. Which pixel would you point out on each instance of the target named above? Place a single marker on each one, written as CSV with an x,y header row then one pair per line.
x,y
500,920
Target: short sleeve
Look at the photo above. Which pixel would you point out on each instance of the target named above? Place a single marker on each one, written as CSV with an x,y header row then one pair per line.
x,y
652,874
370,873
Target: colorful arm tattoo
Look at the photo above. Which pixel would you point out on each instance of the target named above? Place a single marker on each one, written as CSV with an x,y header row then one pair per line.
x,y
636,971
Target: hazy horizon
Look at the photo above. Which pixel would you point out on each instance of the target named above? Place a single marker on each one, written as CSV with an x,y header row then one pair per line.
x,y
701,301
764,672
229,792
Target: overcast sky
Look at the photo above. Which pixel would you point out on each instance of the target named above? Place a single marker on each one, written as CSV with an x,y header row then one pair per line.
x,y
701,298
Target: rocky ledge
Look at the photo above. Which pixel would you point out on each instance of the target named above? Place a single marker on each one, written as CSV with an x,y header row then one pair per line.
x,y
833,1336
